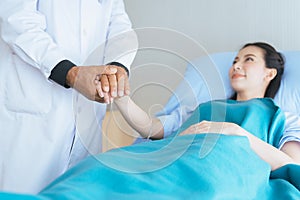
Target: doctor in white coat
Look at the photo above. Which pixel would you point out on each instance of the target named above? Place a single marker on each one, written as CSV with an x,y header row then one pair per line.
x,y
51,52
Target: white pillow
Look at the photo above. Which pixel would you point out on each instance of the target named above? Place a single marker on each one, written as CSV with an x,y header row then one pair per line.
x,y
288,96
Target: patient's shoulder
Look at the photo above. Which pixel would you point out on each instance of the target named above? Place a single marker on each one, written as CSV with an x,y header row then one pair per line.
x,y
291,130
292,121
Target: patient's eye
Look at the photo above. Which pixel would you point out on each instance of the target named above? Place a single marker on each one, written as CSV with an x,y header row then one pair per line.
x,y
249,59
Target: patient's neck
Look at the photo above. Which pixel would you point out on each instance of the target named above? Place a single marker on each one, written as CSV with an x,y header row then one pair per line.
x,y
248,96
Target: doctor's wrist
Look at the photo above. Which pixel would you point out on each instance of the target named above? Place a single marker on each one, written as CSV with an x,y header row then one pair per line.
x,y
59,73
71,76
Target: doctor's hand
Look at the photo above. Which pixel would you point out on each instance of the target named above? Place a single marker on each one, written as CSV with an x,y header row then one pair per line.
x,y
82,79
118,85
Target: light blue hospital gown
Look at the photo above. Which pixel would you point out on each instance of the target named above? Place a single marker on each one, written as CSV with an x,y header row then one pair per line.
x,y
292,129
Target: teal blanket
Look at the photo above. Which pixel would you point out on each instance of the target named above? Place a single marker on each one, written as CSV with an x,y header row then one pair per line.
x,y
204,166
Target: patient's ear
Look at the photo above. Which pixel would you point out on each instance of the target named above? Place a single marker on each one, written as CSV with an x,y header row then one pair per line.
x,y
271,73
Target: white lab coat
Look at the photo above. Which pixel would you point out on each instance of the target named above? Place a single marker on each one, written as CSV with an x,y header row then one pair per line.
x,y
44,127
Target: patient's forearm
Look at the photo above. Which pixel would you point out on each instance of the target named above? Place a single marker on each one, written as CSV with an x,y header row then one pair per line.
x,y
275,157
139,119
292,149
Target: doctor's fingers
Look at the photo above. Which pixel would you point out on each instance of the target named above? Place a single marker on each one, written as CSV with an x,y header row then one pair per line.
x,y
102,87
104,83
108,85
104,96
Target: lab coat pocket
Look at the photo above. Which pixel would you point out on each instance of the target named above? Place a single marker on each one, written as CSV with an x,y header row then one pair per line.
x,y
26,89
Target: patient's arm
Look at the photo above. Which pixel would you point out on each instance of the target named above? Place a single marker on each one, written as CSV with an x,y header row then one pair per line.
x,y
290,153
275,157
292,148
138,119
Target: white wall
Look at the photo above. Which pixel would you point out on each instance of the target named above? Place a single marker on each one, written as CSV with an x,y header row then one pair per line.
x,y
186,29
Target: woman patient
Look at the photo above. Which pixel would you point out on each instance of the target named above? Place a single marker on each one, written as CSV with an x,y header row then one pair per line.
x,y
255,74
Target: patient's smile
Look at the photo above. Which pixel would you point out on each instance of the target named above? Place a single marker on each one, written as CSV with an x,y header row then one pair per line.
x,y
237,76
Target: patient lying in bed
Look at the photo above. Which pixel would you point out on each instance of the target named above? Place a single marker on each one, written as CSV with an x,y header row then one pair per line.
x,y
255,73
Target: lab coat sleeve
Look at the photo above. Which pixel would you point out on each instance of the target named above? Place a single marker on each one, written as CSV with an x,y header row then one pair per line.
x,y
122,43
23,29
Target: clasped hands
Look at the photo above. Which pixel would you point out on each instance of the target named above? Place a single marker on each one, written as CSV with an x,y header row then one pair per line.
x,y
99,83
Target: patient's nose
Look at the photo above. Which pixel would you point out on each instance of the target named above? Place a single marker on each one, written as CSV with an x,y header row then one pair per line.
x,y
236,66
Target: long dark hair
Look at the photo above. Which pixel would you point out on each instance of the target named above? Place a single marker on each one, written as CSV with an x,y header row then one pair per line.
x,y
273,59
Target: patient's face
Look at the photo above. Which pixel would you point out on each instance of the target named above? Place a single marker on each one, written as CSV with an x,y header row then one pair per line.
x,y
248,72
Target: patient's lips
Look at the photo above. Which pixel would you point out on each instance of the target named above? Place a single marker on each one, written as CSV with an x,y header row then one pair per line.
x,y
237,76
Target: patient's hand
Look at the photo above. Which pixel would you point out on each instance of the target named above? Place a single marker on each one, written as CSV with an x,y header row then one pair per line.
x,y
110,86
226,128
